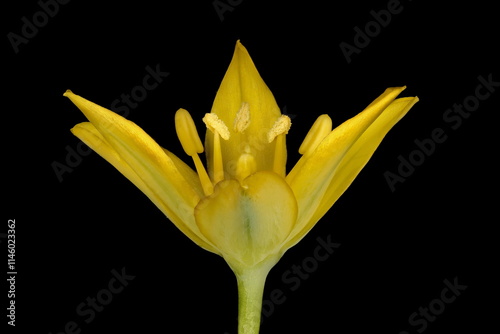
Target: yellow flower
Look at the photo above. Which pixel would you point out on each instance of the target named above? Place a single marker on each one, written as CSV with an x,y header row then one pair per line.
x,y
243,206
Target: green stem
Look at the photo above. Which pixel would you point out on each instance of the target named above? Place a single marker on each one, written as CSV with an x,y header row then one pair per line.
x,y
250,291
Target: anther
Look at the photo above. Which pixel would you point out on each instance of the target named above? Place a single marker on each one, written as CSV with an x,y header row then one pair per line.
x,y
319,130
242,119
216,125
191,143
281,126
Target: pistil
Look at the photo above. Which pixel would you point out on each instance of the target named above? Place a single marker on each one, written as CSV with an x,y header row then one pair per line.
x,y
246,165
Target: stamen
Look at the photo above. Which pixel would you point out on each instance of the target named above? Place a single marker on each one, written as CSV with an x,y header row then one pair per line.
x,y
191,143
279,130
242,119
219,129
319,130
281,126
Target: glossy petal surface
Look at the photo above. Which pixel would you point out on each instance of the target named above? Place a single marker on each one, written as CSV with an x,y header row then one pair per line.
x,y
248,222
142,161
321,177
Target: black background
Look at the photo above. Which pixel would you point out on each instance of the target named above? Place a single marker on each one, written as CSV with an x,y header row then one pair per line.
x,y
397,247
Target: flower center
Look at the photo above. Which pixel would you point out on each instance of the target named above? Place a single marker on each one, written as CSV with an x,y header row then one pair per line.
x,y
246,163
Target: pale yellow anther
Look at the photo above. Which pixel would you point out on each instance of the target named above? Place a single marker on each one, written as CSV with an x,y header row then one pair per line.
x,y
191,143
187,133
216,125
320,129
281,126
242,119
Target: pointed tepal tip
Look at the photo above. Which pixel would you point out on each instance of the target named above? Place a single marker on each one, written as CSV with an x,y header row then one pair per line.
x,y
240,47
67,93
